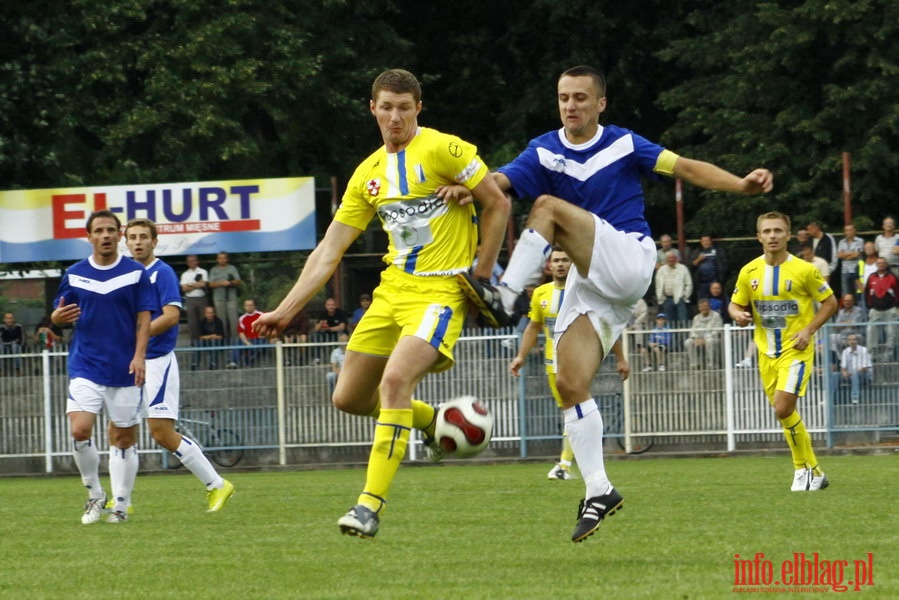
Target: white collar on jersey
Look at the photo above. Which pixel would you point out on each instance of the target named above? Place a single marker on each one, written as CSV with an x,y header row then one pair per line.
x,y
583,146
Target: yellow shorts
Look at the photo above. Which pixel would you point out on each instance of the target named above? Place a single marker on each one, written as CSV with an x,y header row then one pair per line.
x,y
552,387
430,308
788,373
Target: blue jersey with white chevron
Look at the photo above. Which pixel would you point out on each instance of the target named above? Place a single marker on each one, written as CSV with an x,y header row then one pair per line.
x,y
106,331
601,176
167,288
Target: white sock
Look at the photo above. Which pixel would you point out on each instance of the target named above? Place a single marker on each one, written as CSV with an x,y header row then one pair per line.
x,y
193,458
530,254
584,425
87,459
123,466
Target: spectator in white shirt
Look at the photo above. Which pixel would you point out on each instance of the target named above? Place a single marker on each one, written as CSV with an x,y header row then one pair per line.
x,y
855,367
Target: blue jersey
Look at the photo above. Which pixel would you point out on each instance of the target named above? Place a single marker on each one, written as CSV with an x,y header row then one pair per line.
x,y
106,331
601,176
167,288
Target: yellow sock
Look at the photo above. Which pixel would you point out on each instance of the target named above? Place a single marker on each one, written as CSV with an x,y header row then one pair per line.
x,y
423,415
567,452
387,451
800,443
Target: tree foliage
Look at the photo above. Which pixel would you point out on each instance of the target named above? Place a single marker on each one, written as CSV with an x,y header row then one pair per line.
x,y
145,91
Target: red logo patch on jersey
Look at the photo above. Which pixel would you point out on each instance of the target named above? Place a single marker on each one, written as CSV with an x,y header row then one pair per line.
x,y
373,186
754,284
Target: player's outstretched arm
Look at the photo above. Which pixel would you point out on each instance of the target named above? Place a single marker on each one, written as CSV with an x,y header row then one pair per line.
x,y
319,267
492,228
528,341
712,177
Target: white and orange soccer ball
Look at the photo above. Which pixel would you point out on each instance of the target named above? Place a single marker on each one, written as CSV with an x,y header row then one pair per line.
x,y
464,427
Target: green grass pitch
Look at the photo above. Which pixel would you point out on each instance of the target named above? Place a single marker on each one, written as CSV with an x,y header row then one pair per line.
x,y
452,531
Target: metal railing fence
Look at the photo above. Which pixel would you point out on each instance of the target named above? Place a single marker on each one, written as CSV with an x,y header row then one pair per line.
x,y
279,406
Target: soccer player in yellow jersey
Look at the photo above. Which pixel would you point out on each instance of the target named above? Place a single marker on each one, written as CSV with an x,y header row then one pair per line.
x,y
777,292
545,305
411,183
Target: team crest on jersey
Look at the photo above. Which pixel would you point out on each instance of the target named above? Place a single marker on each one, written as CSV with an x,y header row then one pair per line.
x,y
373,186
754,284
544,304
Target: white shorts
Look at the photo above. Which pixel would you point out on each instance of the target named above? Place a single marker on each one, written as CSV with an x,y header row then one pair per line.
x,y
123,404
162,387
621,269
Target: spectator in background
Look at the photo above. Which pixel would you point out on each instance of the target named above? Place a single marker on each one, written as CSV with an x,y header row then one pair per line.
x,y
193,285
658,342
709,264
673,288
850,250
248,335
802,239
807,253
211,334
364,303
46,334
881,294
338,355
718,302
12,341
331,322
888,244
855,367
705,336
847,321
824,245
224,279
867,265
664,247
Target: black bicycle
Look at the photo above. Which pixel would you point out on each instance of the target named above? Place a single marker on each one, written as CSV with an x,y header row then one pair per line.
x,y
221,445
612,408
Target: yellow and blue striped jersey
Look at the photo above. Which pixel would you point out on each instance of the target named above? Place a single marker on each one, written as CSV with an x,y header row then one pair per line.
x,y
427,236
545,303
782,299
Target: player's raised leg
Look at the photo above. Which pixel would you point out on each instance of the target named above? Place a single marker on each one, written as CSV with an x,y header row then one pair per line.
x,y
551,221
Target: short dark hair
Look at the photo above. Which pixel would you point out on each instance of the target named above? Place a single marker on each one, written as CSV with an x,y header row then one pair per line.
x,y
102,214
143,223
398,81
599,79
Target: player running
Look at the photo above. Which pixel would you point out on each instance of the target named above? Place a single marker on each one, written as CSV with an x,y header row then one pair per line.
x,y
778,291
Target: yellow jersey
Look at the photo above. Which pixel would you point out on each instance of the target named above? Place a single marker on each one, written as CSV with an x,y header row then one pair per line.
x,y
545,303
427,236
782,300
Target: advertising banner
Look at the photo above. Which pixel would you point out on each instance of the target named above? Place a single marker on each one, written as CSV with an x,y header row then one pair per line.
x,y
251,215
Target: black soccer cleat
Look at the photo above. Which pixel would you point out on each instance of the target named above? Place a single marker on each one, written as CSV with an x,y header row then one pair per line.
x,y
488,299
590,513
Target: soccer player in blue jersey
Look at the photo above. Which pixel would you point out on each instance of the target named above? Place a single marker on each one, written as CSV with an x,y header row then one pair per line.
x,y
418,309
163,382
585,178
108,298
778,291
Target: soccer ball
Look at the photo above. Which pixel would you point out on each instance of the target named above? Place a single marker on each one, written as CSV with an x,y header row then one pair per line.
x,y
464,426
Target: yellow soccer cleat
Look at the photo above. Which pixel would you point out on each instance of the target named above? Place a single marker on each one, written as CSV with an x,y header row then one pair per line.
x,y
218,497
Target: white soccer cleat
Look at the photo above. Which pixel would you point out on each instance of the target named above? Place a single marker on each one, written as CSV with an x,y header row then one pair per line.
x,y
93,510
557,472
818,483
801,480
